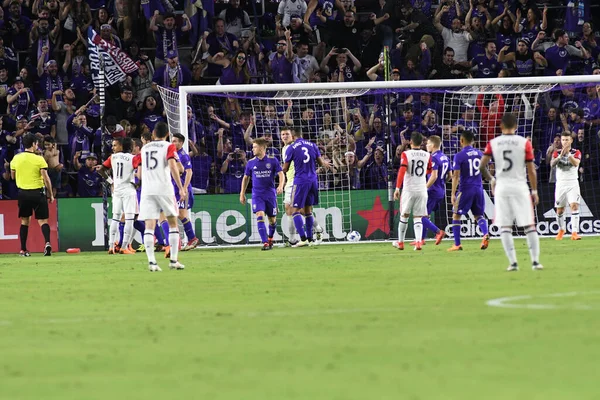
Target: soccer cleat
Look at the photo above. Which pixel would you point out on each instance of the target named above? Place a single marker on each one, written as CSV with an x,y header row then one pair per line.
x,y
301,243
159,248
24,253
111,250
485,242
266,246
512,267
127,251
418,246
575,236
153,267
47,250
289,244
455,248
439,236
398,245
141,248
537,267
415,243
192,244
167,251
117,247
560,234
176,265
319,234
270,242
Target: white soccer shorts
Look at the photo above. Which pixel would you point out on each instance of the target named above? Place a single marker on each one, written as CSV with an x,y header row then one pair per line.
x,y
512,208
415,202
151,206
287,195
566,194
125,205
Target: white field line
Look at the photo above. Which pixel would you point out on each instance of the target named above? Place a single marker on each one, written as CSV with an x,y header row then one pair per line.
x,y
509,302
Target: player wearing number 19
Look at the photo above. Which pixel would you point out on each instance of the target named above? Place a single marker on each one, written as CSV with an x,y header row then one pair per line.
x,y
467,190
513,155
262,171
415,164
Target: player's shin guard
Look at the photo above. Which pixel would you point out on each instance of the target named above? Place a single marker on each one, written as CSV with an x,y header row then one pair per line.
x,y
127,233
299,223
188,228
483,225
310,220
562,224
508,243
160,238
46,232
418,225
174,243
262,229
533,241
114,229
149,245
402,226
272,228
121,233
456,231
292,229
575,221
427,224
165,229
23,233
140,226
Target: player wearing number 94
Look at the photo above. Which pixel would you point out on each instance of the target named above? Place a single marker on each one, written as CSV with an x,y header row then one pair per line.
x,y
467,190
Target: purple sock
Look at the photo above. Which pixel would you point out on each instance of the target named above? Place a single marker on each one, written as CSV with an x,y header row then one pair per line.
x,y
121,232
165,229
456,231
299,224
189,229
139,226
427,224
483,225
262,229
310,220
272,228
160,238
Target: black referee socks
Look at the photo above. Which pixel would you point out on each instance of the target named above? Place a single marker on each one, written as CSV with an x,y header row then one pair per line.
x,y
23,236
46,232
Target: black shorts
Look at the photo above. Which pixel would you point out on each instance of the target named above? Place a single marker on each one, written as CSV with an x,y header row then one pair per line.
x,y
33,200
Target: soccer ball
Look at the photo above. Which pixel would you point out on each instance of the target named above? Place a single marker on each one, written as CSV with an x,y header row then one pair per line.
x,y
353,236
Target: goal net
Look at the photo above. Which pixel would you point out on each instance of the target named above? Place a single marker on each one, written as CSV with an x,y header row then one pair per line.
x,y
362,128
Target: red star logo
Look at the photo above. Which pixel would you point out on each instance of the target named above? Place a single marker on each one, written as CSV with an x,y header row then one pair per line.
x,y
377,218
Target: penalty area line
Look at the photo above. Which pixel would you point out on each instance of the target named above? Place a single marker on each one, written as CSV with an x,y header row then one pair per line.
x,y
509,302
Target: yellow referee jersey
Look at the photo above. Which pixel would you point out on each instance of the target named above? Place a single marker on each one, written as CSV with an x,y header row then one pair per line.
x,y
289,176
27,168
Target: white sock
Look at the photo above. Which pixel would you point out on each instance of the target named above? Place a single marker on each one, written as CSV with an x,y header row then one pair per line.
x,y
533,241
418,225
509,245
560,218
316,226
174,243
114,230
127,233
292,229
402,226
575,221
149,245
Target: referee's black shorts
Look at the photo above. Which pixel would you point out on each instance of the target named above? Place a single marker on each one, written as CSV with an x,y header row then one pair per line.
x,y
33,200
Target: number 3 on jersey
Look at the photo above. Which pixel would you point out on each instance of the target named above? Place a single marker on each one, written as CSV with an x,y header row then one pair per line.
x,y
306,154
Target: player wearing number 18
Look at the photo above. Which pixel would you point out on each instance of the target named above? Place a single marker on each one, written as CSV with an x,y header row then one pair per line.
x,y
513,155
415,164
467,190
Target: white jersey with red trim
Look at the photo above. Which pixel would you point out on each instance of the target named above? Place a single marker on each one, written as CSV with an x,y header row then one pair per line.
x,y
567,173
123,167
156,176
511,154
418,164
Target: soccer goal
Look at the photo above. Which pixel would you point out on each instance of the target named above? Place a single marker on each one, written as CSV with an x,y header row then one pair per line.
x,y
362,128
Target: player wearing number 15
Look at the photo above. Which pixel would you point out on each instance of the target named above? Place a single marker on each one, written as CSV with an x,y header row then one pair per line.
x,y
159,165
415,164
467,190
513,155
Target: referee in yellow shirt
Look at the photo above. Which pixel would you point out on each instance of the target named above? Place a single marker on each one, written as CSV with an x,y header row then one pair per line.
x,y
30,171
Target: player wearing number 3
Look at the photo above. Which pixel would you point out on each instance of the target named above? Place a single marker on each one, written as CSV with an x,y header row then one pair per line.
x,y
470,196
513,155
415,164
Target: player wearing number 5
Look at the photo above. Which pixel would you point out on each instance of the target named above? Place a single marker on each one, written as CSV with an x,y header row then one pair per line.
x,y
467,190
513,155
415,164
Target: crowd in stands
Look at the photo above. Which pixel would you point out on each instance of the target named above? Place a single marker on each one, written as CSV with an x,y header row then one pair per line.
x,y
46,84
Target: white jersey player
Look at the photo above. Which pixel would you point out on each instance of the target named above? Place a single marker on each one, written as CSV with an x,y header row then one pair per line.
x,y
415,164
567,190
124,198
159,165
514,163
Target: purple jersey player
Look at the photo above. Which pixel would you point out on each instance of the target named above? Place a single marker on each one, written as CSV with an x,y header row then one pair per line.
x,y
305,192
262,170
436,186
470,196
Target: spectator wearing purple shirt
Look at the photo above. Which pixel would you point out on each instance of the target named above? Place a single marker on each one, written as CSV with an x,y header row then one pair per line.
x,y
202,165
220,41
504,29
576,14
151,114
487,65
43,119
559,54
51,79
88,179
82,84
347,70
550,127
167,36
235,72
20,99
8,57
530,26
524,59
172,74
42,37
18,26
280,62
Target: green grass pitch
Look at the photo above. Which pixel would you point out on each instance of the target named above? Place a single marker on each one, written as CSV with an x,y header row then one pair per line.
x,y
361,321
